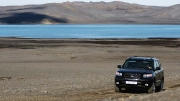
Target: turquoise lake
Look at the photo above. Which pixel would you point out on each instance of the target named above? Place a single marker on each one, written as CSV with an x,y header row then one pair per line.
x,y
90,31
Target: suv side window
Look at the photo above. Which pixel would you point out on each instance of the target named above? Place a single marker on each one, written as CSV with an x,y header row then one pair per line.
x,y
154,65
157,64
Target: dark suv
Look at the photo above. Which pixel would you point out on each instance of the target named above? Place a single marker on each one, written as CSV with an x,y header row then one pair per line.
x,y
140,72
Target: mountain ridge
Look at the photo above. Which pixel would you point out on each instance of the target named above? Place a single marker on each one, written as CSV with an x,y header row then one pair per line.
x,y
89,12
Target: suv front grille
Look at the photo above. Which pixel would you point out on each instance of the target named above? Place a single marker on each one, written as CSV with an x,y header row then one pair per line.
x,y
132,76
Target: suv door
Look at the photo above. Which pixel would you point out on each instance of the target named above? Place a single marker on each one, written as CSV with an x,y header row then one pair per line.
x,y
157,72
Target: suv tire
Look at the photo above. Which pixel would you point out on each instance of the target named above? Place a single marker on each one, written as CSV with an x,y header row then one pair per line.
x,y
160,88
116,88
152,88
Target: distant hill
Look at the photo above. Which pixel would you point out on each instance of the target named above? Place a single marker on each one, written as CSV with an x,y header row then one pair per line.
x,y
91,12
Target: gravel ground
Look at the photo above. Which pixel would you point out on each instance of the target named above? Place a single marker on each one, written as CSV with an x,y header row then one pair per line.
x,y
79,71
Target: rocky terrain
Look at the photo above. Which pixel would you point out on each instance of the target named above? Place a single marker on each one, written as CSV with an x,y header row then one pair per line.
x,y
89,12
80,69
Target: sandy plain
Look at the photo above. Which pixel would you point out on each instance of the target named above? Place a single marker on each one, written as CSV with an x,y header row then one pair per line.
x,y
80,69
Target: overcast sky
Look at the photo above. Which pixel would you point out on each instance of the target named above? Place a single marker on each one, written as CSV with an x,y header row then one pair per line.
x,y
143,2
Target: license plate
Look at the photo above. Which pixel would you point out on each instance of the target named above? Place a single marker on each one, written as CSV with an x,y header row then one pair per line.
x,y
131,82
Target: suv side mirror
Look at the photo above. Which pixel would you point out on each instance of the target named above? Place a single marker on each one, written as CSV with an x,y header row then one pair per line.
x,y
158,68
119,66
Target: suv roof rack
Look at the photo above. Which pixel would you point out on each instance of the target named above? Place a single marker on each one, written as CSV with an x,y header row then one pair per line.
x,y
142,56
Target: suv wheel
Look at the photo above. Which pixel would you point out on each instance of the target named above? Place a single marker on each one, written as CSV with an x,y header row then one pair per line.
x,y
152,88
160,88
116,88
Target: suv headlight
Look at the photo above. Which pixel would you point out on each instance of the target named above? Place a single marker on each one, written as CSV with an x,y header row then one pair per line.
x,y
118,74
147,75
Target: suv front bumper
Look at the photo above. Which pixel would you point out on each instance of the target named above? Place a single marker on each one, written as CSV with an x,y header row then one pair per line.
x,y
141,83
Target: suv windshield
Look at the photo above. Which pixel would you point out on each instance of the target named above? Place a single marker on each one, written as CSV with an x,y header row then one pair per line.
x,y
138,64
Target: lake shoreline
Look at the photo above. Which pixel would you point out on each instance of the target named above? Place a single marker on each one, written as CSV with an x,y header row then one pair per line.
x,y
12,42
